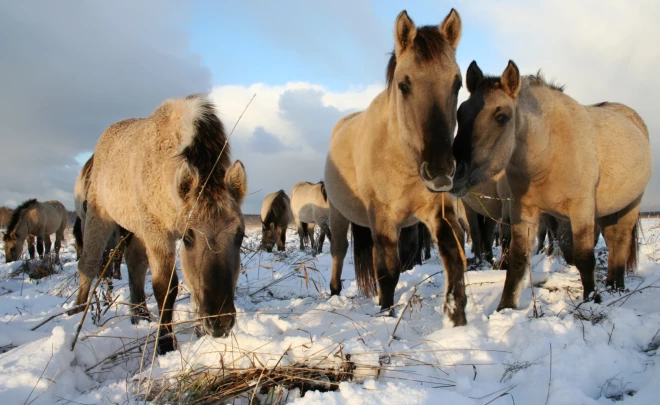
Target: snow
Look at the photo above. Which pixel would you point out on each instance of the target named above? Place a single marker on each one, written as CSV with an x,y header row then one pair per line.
x,y
571,353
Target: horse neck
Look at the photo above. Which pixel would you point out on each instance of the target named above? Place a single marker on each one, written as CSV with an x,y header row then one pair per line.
x,y
532,144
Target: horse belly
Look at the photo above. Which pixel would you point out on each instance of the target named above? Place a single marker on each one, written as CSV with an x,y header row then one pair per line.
x,y
344,197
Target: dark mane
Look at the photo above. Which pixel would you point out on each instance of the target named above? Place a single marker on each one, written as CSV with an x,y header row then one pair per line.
x,y
18,214
494,82
277,209
207,143
429,45
325,193
539,80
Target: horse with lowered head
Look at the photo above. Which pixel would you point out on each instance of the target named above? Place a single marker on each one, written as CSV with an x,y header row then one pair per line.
x,y
586,164
309,204
275,218
172,180
35,219
389,166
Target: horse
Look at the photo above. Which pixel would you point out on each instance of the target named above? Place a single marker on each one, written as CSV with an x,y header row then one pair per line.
x,y
275,217
35,219
309,204
586,164
414,246
80,196
388,167
173,180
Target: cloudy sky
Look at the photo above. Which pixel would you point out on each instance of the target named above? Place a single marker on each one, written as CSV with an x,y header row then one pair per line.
x,y
70,69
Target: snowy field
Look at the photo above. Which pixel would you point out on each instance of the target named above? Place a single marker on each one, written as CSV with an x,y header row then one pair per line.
x,y
552,350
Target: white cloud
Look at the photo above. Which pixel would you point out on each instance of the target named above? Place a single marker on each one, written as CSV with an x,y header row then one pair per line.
x,y
299,115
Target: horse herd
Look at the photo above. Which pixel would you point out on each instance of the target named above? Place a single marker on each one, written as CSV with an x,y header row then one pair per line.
x,y
525,154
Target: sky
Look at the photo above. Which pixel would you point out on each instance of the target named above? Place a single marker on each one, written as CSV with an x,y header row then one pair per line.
x,y
68,70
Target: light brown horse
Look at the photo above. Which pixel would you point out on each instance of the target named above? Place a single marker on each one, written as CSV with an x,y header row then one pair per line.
x,y
275,218
389,166
168,177
586,164
35,219
309,204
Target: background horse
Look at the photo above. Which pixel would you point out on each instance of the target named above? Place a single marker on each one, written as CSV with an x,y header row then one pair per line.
x,y
309,204
35,219
173,180
275,218
586,164
80,196
388,166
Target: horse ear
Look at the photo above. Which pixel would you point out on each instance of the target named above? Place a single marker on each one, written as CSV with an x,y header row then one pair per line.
x,y
404,33
474,76
186,180
236,181
511,80
451,28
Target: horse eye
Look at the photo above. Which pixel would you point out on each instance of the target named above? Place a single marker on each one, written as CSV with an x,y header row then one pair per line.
x,y
238,240
502,119
188,239
405,89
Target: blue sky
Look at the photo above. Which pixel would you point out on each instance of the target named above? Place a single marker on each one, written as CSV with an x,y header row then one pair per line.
x,y
245,44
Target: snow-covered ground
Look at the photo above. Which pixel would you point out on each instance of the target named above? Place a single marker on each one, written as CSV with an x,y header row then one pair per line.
x,y
591,354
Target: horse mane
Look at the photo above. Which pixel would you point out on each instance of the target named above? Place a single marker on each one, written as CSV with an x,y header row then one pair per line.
x,y
489,82
539,80
86,173
325,193
207,141
277,209
18,214
429,45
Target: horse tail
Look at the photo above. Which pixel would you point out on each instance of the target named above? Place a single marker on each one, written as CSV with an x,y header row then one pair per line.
x,y
365,274
77,234
631,263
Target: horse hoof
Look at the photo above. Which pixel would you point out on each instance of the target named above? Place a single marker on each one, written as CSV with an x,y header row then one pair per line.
x,y
334,291
165,345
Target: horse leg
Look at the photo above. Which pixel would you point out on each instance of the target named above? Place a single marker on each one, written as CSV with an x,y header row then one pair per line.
x,y
449,237
565,240
338,247
47,245
281,239
408,246
310,235
475,235
301,232
487,238
30,243
59,237
386,261
137,264
426,237
540,235
40,246
166,286
525,221
321,241
621,236
582,226
97,230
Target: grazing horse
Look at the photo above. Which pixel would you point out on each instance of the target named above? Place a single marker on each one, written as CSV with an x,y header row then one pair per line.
x,y
33,218
389,166
584,163
275,217
309,203
172,180
80,197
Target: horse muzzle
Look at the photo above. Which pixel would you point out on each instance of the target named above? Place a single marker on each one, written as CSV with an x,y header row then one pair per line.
x,y
439,182
219,326
461,177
